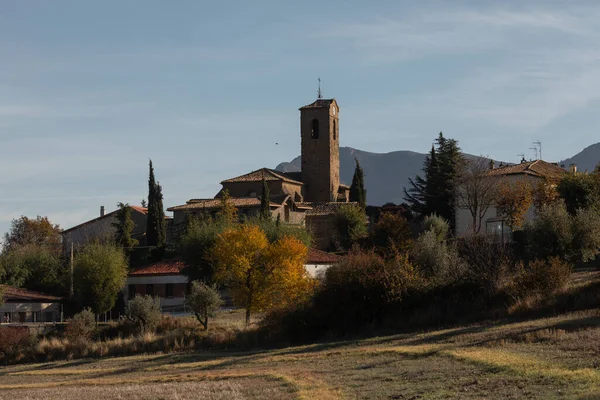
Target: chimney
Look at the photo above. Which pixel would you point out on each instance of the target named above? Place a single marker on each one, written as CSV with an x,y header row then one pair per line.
x,y
102,211
573,168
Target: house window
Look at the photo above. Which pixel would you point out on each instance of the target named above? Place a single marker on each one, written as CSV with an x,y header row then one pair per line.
x,y
150,289
334,130
169,290
131,291
314,133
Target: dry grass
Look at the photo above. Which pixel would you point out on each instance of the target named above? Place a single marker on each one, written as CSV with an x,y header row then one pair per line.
x,y
546,358
557,357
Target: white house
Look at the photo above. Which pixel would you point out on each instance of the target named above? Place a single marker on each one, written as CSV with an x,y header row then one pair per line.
x,y
162,279
24,306
318,261
532,172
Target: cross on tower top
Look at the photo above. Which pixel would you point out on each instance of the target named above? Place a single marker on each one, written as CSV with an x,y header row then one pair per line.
x,y
319,96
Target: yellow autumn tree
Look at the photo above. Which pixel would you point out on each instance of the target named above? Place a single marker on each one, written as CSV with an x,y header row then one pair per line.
x,y
513,201
545,193
261,275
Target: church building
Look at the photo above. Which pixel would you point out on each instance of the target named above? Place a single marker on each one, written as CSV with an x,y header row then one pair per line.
x,y
309,197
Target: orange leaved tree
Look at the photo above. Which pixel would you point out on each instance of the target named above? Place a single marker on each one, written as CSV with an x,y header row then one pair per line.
x,y
261,275
513,201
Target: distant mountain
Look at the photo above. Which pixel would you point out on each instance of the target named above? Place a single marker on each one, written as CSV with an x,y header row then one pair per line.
x,y
385,174
587,159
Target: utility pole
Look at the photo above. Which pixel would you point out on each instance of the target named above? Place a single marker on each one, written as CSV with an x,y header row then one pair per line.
x,y
71,291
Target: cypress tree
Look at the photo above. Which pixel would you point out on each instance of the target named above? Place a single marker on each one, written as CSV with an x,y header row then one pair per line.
x,y
156,228
265,211
358,192
124,227
228,213
421,193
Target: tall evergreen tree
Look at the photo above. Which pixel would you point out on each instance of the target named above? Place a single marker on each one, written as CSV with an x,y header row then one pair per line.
x,y
265,200
156,228
435,193
450,166
358,193
124,227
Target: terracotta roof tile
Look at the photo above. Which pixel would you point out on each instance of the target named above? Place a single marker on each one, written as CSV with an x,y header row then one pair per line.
x,y
165,267
212,204
260,174
537,168
13,294
316,256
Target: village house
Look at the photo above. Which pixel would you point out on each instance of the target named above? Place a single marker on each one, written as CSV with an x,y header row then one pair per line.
x,y
310,197
318,262
101,228
26,306
162,279
532,172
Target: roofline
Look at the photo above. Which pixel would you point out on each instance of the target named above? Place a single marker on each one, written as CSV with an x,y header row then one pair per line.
x,y
97,219
276,173
271,204
308,105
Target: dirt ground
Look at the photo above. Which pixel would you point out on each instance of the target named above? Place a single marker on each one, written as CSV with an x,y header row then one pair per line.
x,y
539,359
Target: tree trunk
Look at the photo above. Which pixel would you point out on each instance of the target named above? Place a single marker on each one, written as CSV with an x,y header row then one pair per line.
x,y
247,316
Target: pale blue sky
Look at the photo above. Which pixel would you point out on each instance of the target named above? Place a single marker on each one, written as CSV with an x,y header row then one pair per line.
x,y
90,90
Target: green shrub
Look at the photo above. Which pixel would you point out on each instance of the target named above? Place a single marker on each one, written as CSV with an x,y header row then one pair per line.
x,y
144,312
350,225
437,260
438,225
204,300
81,327
391,234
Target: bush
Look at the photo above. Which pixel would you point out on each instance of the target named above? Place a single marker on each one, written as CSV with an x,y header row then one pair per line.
x,y
144,312
204,301
438,225
437,260
350,224
489,262
543,278
391,234
81,326
14,342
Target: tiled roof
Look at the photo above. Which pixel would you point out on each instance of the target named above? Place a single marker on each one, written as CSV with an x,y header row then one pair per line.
x,y
13,294
295,176
211,204
319,103
165,267
539,168
139,209
316,256
260,174
324,208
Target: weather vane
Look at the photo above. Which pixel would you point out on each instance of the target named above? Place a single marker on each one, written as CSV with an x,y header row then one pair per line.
x,y
319,96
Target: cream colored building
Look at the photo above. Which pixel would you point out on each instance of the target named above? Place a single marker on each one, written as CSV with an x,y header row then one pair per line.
x,y
26,306
532,172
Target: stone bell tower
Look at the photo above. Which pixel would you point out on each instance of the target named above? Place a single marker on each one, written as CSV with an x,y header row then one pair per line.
x,y
319,130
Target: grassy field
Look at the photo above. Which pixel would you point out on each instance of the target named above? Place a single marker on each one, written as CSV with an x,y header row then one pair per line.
x,y
556,357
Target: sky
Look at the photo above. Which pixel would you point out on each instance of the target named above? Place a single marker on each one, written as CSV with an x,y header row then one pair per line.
x,y
90,91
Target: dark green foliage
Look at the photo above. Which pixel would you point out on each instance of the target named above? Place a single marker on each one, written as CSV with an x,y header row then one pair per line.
x,y
29,231
156,234
391,234
265,210
579,191
350,224
358,193
555,232
276,231
99,274
195,246
124,227
204,300
435,193
33,267
144,312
